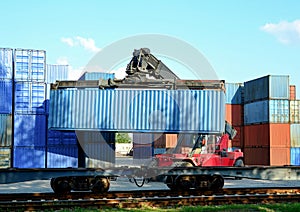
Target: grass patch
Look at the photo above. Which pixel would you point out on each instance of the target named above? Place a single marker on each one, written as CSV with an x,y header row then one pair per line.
x,y
290,207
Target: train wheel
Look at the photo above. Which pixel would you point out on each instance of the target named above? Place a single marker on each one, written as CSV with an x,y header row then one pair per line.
x,y
217,182
170,182
185,182
61,185
100,185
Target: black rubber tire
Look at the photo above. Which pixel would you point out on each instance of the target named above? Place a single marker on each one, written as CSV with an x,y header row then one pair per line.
x,y
239,163
217,182
101,185
61,186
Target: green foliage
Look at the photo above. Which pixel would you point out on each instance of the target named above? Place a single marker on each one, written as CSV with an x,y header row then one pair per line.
x,y
123,138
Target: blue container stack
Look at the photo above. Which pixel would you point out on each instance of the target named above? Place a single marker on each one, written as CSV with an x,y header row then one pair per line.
x,y
30,120
6,90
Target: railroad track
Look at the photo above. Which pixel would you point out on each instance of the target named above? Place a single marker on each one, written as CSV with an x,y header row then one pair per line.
x,y
150,198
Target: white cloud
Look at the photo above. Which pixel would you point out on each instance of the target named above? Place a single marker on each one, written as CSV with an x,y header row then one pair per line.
x,y
286,32
87,43
68,41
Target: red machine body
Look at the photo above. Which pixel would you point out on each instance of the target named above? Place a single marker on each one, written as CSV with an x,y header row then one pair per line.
x,y
205,154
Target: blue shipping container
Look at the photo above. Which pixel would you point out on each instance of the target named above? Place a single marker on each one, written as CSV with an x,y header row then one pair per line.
x,y
267,111
30,98
62,156
30,65
95,137
201,111
97,76
234,93
5,130
56,137
6,63
30,130
56,72
267,87
29,157
6,92
295,156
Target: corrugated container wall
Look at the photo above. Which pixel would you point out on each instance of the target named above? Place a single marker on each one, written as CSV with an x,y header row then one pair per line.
x,y
234,93
295,156
30,130
201,111
5,130
61,137
62,156
234,114
29,157
267,87
97,76
267,111
98,148
295,135
257,156
6,90
6,63
56,72
294,111
292,92
267,135
30,65
99,155
267,156
30,98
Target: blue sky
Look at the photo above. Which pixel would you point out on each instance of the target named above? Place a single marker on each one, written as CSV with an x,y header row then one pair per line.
x,y
242,40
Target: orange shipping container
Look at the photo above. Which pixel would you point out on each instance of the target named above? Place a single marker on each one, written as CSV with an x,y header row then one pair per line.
x,y
280,156
292,92
267,135
234,114
171,140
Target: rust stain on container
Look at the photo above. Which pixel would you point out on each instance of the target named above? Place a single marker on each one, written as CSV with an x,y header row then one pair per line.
x,y
234,114
267,135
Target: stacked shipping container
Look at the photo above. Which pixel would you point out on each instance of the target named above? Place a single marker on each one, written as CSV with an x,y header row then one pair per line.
x,y
266,120
234,111
6,90
30,121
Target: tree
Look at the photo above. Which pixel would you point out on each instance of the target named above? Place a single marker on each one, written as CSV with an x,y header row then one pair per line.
x,y
123,138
